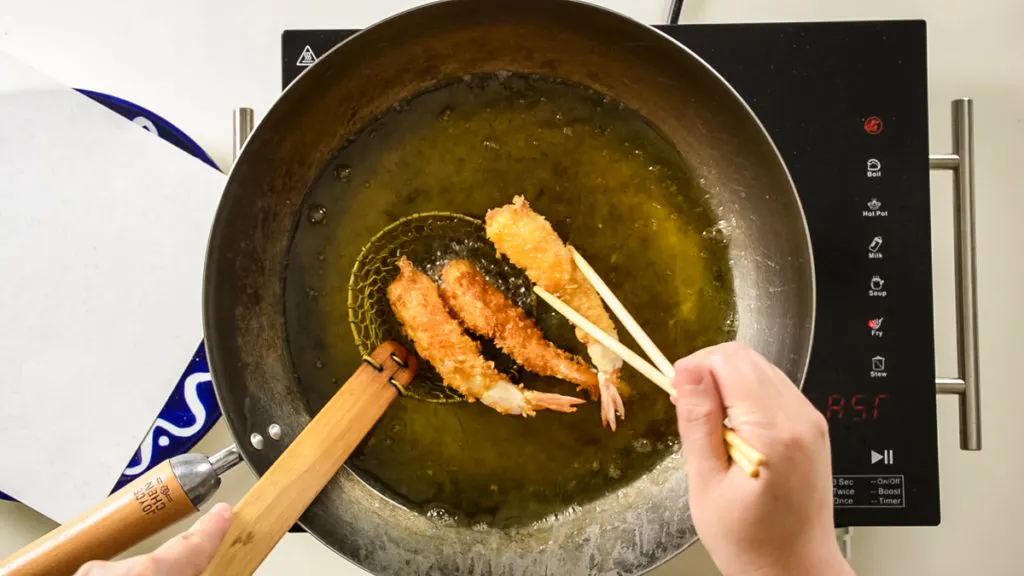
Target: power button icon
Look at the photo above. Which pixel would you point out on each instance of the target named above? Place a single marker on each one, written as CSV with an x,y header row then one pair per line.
x,y
873,125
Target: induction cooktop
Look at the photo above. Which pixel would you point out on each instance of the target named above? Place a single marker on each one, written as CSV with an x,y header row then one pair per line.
x,y
847,105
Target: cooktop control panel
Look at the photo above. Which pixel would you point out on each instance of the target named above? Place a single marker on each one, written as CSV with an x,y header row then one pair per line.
x,y
846,104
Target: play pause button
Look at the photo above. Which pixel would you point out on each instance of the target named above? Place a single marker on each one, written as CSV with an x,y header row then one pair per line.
x,y
885,457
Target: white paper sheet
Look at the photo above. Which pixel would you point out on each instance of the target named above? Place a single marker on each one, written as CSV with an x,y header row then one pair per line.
x,y
103,230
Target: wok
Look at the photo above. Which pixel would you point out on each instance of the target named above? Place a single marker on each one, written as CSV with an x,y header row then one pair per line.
x,y
646,522
261,338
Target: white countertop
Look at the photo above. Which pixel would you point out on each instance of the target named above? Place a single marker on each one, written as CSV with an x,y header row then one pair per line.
x,y
193,61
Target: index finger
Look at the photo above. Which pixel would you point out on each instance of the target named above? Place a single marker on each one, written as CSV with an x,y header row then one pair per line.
x,y
743,383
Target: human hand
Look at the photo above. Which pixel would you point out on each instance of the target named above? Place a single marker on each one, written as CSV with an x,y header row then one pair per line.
x,y
780,522
187,554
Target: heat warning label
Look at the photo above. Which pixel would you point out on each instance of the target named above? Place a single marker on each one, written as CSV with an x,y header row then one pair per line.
x,y
865,491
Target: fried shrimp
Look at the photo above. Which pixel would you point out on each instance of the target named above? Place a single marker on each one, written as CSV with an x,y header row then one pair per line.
x,y
529,241
483,309
440,340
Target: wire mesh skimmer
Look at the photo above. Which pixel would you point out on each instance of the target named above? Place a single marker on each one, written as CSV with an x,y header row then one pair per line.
x,y
429,240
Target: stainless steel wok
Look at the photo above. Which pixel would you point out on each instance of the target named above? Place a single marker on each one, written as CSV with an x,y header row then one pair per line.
x,y
628,532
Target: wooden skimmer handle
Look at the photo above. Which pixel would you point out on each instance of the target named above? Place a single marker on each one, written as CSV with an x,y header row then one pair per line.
x,y
148,504
284,492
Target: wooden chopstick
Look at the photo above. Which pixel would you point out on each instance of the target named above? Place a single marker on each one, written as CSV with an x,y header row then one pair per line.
x,y
742,461
632,326
663,380
746,456
736,441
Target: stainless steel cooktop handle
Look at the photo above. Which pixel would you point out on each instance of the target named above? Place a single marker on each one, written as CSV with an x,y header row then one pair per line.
x,y
243,122
966,383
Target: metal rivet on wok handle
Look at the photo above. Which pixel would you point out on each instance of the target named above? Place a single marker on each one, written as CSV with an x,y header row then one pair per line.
x,y
284,492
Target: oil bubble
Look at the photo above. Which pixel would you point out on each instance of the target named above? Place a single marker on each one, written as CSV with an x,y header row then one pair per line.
x,y
317,214
343,172
642,445
718,232
441,515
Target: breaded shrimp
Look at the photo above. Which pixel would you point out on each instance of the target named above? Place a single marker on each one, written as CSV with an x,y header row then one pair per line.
x,y
440,340
483,309
528,240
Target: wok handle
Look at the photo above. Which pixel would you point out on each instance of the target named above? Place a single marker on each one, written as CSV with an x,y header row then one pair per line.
x,y
148,504
965,384
284,492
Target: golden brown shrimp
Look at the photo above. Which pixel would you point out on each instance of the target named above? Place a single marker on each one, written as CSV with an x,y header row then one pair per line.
x,y
528,240
440,340
483,309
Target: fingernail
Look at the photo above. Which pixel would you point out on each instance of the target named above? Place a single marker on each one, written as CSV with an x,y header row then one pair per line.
x,y
222,509
685,378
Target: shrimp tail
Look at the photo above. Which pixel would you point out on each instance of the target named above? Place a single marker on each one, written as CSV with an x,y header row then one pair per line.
x,y
530,242
611,401
547,401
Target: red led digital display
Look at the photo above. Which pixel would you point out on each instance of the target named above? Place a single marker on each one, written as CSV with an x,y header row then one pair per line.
x,y
855,408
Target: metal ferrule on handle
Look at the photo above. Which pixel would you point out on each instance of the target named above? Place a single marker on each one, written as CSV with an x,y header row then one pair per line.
x,y
966,383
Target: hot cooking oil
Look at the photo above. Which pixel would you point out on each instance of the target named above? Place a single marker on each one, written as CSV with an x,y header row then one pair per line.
x,y
612,186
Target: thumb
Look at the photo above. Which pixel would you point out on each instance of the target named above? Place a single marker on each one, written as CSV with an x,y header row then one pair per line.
x,y
700,417
191,551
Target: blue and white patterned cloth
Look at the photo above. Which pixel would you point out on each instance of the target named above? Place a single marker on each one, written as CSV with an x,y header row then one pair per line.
x,y
191,409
